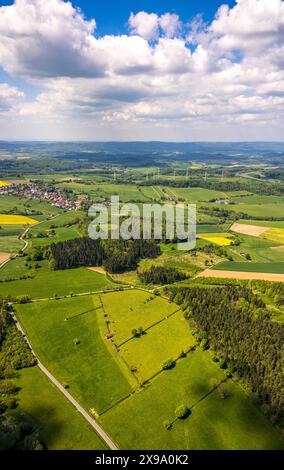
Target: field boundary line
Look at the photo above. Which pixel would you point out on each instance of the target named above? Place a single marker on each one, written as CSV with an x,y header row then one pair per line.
x,y
149,327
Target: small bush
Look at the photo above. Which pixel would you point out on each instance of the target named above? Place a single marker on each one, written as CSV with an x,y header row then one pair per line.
x,y
167,424
182,412
169,364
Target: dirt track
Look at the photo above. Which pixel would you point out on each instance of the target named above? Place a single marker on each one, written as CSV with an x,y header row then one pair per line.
x,y
4,257
242,275
98,269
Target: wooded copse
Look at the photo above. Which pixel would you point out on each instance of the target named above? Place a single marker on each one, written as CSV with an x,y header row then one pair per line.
x,y
115,255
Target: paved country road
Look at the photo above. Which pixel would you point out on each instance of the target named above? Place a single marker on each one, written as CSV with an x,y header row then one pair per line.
x,y
69,397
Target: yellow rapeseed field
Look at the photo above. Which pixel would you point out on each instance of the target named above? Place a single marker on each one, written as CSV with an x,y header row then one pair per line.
x,y
274,234
4,183
7,219
218,239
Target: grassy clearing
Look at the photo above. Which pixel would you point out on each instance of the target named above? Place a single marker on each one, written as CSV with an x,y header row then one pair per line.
x,y
134,308
207,228
28,206
148,352
73,349
259,210
260,250
10,244
60,425
215,423
61,234
46,283
258,199
198,194
263,223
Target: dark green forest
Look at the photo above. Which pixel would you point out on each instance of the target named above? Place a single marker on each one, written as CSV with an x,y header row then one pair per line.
x,y
234,322
115,255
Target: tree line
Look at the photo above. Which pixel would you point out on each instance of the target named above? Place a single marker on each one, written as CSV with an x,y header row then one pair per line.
x,y
236,325
17,431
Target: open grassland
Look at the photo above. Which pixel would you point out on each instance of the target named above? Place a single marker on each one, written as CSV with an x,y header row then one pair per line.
x,y
242,275
222,239
148,353
260,250
126,192
45,283
134,308
61,234
59,424
9,238
62,227
6,219
10,244
259,210
263,223
257,199
29,206
209,228
193,195
276,268
215,423
66,336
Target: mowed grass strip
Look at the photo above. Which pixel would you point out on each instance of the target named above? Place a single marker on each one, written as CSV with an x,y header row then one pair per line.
x,y
7,219
276,268
59,424
164,341
215,422
134,308
73,350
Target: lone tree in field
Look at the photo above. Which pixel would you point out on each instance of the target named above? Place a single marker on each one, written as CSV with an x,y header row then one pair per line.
x,y
182,412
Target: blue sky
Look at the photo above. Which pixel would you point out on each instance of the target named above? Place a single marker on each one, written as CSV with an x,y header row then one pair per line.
x,y
142,70
112,16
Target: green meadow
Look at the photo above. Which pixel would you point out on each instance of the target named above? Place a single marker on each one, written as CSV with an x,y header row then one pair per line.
x,y
138,422
277,268
148,353
60,426
133,308
45,283
16,204
66,337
